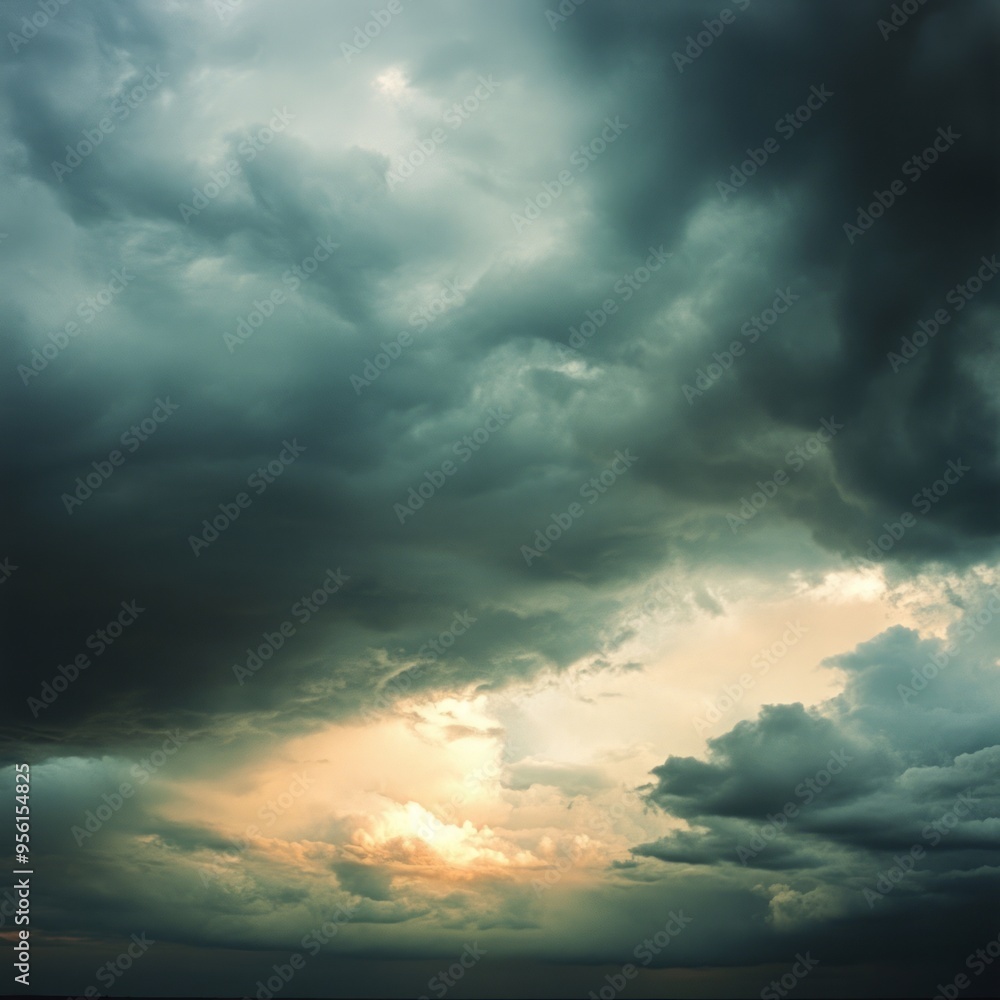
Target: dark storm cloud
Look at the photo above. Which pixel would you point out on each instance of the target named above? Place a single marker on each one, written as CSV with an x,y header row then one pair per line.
x,y
501,305
654,186
885,798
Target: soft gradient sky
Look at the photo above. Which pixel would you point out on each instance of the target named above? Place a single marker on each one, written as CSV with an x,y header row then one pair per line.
x,y
312,282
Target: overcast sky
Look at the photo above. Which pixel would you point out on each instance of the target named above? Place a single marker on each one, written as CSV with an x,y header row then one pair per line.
x,y
501,482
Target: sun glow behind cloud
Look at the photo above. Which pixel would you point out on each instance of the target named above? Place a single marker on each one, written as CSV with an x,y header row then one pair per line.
x,y
540,776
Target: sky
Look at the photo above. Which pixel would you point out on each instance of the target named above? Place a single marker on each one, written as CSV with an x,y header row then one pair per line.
x,y
501,499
